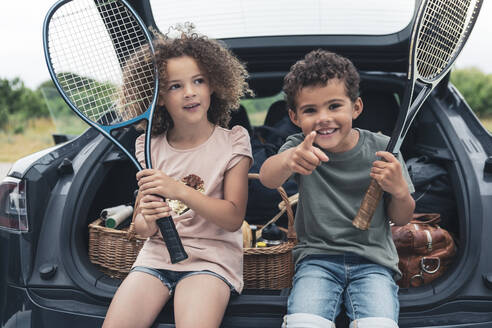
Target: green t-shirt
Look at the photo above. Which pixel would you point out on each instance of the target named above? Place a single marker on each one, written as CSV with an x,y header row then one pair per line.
x,y
330,197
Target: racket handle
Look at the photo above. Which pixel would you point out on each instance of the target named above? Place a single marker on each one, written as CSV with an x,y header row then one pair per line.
x,y
172,240
368,206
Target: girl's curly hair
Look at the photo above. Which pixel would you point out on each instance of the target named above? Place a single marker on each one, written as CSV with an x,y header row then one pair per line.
x,y
317,68
226,74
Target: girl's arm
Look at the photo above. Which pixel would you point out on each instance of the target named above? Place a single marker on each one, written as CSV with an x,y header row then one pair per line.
x,y
143,228
147,210
227,213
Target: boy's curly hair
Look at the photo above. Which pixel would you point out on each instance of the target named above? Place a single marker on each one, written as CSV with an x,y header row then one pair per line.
x,y
317,68
226,74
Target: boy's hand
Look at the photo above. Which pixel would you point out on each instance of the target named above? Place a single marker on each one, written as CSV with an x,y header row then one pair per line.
x,y
155,182
153,208
305,157
388,174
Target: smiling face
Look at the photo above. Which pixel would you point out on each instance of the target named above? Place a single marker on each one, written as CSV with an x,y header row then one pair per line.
x,y
328,111
187,92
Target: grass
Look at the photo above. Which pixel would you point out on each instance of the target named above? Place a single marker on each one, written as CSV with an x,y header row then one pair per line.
x,y
257,118
487,122
37,135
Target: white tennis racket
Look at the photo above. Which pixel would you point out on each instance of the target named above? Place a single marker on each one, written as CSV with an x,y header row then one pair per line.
x,y
439,33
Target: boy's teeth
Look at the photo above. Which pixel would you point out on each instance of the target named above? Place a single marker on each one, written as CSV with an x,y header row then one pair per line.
x,y
328,131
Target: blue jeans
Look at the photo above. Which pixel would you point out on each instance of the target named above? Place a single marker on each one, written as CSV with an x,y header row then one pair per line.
x,y
322,283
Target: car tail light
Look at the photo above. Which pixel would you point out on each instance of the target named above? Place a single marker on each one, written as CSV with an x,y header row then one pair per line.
x,y
13,211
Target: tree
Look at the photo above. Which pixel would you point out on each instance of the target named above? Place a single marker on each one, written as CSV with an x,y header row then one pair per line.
x,y
476,88
18,102
56,105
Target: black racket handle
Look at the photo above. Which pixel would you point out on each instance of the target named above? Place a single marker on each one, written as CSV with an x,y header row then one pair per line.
x,y
172,240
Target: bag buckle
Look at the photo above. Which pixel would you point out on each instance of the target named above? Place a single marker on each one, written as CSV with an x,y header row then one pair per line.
x,y
430,264
418,279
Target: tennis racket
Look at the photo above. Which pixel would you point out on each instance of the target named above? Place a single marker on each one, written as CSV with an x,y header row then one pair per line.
x,y
90,47
439,33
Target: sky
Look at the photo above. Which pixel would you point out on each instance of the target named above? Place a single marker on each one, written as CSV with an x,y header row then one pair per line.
x,y
21,49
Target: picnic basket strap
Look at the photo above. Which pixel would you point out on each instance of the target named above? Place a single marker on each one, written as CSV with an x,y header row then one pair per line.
x,y
291,234
131,230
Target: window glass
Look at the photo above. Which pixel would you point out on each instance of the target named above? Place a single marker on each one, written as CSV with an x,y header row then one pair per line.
x,y
257,108
238,18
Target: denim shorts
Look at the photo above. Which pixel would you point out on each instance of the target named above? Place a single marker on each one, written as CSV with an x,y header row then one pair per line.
x,y
322,283
171,278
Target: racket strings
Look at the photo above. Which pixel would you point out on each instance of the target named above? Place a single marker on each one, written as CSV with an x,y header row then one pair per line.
x,y
66,64
89,45
440,36
81,86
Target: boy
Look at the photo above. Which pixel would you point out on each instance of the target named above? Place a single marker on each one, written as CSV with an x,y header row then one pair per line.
x,y
332,164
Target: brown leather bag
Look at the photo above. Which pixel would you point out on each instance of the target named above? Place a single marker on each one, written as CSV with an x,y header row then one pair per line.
x,y
425,250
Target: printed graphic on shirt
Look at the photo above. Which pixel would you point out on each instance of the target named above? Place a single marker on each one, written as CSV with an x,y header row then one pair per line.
x,y
193,181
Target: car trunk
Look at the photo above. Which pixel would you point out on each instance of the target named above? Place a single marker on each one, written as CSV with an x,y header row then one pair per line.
x,y
104,177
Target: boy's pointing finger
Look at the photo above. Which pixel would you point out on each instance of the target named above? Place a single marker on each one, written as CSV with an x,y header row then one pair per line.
x,y
320,154
309,140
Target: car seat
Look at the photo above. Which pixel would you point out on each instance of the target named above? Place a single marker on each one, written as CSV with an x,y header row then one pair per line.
x,y
240,117
379,113
276,112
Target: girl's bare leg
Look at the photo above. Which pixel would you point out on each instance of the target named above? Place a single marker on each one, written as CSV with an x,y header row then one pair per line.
x,y
137,301
200,301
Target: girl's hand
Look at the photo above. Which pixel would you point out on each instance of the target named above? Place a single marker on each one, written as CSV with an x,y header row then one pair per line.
x,y
389,175
155,182
305,158
153,208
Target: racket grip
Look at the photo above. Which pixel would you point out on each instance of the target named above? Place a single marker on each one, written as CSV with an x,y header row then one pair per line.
x,y
368,206
172,240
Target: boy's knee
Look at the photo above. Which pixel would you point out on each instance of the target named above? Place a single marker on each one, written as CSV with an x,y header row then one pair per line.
x,y
306,320
373,322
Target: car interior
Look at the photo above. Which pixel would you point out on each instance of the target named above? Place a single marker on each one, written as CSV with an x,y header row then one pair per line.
x,y
115,181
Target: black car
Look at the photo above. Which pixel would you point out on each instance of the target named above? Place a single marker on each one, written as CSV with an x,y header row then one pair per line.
x,y
49,198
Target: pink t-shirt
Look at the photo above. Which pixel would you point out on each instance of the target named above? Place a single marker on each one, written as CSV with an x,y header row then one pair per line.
x,y
209,247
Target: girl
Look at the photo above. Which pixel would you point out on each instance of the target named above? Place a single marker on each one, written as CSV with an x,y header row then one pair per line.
x,y
201,168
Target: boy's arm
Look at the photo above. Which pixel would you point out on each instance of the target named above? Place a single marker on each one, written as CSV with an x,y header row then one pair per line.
x,y
400,210
275,170
302,159
388,173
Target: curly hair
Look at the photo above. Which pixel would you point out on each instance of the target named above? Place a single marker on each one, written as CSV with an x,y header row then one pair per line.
x,y
317,68
226,74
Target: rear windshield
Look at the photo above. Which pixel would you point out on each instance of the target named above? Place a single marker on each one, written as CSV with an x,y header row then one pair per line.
x,y
237,18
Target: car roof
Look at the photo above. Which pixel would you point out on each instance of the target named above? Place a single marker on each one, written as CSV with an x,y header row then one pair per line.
x,y
271,36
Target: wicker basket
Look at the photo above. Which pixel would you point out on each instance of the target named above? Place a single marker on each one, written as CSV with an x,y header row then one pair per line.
x,y
271,267
114,252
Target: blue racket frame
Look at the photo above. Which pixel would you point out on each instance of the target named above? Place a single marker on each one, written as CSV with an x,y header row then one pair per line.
x,y
166,225
104,129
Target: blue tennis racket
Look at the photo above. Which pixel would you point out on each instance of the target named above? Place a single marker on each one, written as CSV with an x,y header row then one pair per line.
x,y
91,47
